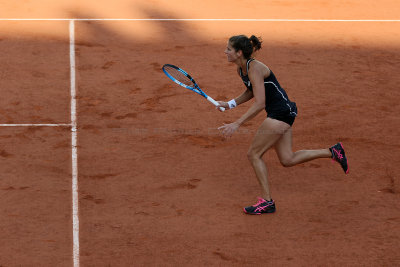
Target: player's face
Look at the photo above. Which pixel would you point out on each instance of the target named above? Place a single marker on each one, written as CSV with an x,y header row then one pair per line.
x,y
231,54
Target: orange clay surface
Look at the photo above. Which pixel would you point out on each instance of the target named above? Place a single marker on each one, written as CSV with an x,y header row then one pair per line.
x,y
158,186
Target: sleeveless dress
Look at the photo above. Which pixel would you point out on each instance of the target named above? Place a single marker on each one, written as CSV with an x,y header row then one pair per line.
x,y
277,103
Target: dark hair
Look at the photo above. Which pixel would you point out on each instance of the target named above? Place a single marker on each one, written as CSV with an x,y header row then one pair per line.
x,y
247,45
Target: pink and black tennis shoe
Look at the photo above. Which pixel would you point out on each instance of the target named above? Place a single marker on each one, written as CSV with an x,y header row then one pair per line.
x,y
339,156
262,206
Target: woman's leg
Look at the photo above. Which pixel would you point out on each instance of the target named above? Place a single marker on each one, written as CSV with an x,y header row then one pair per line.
x,y
267,135
289,158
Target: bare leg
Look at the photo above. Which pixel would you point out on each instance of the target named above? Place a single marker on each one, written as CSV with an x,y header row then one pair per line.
x,y
267,135
289,158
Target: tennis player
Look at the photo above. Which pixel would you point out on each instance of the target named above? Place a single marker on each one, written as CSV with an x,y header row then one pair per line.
x,y
276,130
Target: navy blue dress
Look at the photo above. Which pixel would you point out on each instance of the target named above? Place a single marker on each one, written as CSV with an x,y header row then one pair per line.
x,y
277,103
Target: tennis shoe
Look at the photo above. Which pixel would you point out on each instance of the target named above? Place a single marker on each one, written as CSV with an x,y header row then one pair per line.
x,y
262,206
339,156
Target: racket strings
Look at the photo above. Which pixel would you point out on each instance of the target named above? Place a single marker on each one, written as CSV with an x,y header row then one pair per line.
x,y
179,76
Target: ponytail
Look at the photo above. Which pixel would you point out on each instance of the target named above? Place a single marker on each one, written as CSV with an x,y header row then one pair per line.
x,y
247,45
256,42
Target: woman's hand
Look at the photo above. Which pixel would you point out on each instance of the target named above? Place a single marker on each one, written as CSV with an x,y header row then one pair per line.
x,y
222,104
228,129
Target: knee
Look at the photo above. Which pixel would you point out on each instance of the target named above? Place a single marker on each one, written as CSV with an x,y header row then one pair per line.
x,y
286,162
252,156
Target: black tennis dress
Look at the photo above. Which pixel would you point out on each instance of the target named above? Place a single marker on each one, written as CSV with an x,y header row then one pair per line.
x,y
277,103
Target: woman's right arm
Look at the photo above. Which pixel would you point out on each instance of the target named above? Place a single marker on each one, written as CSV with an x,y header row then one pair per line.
x,y
246,96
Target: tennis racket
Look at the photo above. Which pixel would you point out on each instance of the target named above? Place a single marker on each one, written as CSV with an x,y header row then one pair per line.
x,y
182,78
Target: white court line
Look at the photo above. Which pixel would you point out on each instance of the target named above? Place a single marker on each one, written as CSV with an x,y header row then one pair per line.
x,y
73,125
36,125
75,197
232,20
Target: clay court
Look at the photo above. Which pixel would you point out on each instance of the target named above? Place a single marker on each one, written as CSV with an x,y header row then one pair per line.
x,y
104,161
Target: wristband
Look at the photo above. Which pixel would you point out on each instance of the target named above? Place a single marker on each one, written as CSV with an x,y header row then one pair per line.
x,y
232,104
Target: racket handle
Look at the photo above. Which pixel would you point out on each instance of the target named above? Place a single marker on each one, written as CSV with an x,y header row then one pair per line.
x,y
215,103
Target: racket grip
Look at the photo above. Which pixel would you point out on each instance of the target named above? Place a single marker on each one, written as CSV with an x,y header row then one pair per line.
x,y
215,103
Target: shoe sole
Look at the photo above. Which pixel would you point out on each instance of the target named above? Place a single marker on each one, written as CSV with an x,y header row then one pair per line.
x,y
259,213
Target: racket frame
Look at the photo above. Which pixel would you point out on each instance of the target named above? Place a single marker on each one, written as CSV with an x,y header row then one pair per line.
x,y
195,88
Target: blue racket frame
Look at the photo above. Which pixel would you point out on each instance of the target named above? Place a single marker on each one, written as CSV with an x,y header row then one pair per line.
x,y
195,88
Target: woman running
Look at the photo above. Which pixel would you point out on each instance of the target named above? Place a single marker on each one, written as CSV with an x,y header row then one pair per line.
x,y
276,130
